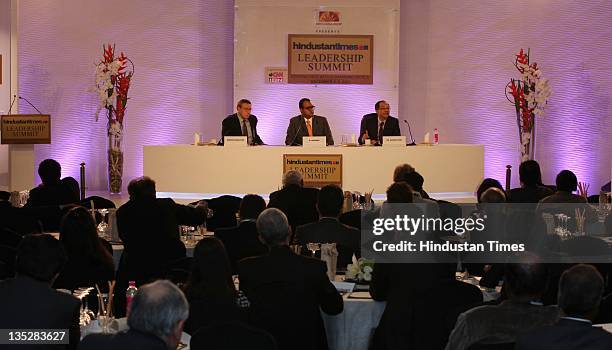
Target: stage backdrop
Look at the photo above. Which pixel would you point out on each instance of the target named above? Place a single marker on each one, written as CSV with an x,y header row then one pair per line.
x,y
454,61
261,40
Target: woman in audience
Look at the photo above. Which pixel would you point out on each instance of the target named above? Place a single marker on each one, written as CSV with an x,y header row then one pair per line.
x,y
213,298
90,259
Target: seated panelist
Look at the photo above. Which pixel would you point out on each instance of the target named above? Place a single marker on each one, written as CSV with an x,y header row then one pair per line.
x,y
376,125
242,123
307,124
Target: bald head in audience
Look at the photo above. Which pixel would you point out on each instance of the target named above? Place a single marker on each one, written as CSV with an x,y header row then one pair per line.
x,y
273,227
160,309
580,291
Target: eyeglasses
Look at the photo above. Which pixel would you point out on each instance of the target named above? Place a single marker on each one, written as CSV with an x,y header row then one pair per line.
x,y
310,107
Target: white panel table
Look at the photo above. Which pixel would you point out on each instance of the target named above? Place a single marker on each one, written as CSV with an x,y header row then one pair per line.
x,y
187,169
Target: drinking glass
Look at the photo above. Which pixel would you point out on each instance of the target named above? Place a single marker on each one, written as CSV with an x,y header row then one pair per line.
x,y
313,247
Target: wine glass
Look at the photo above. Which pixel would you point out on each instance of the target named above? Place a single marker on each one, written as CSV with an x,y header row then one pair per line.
x,y
313,247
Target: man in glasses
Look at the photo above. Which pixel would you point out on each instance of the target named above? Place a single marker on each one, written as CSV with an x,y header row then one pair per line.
x,y
307,124
242,123
376,125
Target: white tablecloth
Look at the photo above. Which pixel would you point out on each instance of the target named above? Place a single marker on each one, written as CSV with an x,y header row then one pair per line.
x,y
353,328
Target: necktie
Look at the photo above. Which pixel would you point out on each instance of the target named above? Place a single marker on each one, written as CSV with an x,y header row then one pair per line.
x,y
245,132
244,128
381,127
309,127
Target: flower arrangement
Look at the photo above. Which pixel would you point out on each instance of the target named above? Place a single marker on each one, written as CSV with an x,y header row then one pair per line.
x,y
530,95
113,80
360,270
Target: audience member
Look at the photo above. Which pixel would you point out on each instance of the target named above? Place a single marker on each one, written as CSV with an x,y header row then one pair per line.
x,y
287,291
90,259
15,219
53,190
567,183
213,298
524,284
485,185
399,174
149,229
328,229
531,190
580,292
419,196
28,301
156,318
243,240
297,202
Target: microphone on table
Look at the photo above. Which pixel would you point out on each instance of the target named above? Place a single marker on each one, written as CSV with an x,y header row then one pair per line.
x,y
25,99
410,132
295,136
12,103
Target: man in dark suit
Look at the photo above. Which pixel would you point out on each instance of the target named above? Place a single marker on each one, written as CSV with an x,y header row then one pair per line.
x,y
580,291
28,301
372,124
307,124
149,229
297,202
242,123
524,284
287,291
157,315
328,229
531,190
53,190
243,240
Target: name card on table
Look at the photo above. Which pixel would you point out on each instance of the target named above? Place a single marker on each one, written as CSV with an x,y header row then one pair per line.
x,y
394,141
314,141
235,141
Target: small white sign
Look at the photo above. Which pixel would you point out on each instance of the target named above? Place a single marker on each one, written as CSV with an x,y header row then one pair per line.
x,y
314,141
394,141
235,141
344,287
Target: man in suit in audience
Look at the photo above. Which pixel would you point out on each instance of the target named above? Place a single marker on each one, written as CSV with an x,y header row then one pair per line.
x,y
44,201
243,240
429,206
53,190
242,123
287,291
156,318
307,124
299,203
376,125
16,220
524,284
580,292
28,301
531,190
149,229
567,183
328,229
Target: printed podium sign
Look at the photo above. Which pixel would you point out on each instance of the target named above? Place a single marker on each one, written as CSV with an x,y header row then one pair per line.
x,y
318,170
26,129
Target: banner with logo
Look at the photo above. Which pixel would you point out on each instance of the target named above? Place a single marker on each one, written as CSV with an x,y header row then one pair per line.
x,y
318,170
330,59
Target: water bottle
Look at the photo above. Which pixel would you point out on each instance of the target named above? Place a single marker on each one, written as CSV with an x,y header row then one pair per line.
x,y
130,292
436,136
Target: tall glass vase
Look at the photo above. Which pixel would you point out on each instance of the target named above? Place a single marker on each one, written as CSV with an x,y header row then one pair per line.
x,y
115,156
